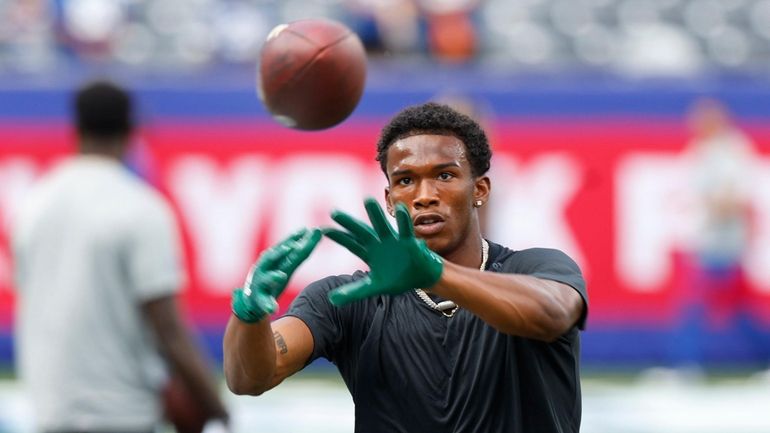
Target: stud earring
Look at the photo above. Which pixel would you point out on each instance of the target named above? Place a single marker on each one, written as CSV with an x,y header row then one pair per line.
x,y
478,203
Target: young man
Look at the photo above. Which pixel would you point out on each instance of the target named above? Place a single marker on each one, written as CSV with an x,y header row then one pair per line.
x,y
448,332
97,270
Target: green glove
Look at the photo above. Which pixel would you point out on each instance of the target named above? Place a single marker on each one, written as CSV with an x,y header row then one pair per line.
x,y
269,275
397,261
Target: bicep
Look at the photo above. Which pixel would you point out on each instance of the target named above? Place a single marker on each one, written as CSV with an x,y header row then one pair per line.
x,y
293,347
570,301
567,287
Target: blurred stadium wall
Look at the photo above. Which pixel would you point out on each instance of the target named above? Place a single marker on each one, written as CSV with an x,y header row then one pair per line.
x,y
585,103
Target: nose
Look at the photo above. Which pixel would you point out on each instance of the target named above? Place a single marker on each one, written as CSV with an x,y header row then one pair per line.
x,y
427,195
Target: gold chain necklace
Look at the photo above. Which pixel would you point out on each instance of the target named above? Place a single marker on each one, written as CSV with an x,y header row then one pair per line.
x,y
449,308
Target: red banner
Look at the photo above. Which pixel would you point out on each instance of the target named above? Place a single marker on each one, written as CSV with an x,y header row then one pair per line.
x,y
614,195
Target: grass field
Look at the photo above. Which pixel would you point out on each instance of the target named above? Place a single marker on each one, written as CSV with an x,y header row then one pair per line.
x,y
652,403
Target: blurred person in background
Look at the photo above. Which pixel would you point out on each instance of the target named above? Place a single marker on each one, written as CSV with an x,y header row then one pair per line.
x,y
387,27
452,33
720,159
445,31
98,271
491,344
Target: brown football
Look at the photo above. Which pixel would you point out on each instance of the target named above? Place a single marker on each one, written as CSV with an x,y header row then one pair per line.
x,y
311,73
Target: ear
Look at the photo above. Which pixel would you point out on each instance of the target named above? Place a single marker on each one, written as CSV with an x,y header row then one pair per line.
x,y
481,189
388,203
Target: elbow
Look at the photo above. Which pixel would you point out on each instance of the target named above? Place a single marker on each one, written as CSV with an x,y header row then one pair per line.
x,y
241,382
236,386
558,318
244,386
553,323
239,389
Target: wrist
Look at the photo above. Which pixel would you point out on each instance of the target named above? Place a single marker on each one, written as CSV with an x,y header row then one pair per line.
x,y
434,268
245,310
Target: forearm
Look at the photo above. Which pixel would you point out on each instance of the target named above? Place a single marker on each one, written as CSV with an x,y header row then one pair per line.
x,y
177,345
189,364
249,356
513,304
252,344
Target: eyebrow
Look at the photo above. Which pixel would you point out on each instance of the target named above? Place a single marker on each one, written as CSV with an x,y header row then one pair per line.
x,y
435,167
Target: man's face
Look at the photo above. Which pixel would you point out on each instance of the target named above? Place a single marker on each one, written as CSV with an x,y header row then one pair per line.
x,y
432,176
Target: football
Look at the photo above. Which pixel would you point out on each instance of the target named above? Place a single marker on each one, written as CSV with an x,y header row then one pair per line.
x,y
311,73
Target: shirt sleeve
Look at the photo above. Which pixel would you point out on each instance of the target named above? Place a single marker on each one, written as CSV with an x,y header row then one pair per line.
x,y
154,252
324,320
554,265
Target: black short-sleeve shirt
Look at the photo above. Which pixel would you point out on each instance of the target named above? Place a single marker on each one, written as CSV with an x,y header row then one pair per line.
x,y
410,369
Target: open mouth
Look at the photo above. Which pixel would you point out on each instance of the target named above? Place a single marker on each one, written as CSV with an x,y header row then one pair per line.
x,y
428,224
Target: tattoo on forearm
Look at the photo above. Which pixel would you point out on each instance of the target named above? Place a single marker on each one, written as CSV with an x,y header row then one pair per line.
x,y
280,342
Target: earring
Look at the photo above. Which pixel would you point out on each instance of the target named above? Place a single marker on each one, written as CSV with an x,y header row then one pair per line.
x,y
478,203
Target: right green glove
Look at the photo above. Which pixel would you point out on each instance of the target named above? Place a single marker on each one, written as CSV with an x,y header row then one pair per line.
x,y
397,261
269,276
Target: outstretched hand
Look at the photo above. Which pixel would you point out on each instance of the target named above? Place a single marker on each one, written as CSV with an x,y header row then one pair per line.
x,y
397,261
269,276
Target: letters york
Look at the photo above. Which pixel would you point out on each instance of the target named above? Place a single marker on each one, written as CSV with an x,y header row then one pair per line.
x,y
230,211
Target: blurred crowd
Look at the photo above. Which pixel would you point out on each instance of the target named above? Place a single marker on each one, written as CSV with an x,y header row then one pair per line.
x,y
649,37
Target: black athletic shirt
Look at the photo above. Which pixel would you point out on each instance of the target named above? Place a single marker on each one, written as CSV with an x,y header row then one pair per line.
x,y
410,369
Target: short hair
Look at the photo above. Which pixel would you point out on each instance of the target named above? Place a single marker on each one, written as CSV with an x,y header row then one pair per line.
x,y
434,118
103,110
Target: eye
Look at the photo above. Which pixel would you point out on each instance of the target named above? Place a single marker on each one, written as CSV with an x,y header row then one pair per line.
x,y
445,176
404,181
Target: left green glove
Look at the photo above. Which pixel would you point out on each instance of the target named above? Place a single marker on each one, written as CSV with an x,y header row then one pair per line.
x,y
269,276
398,262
